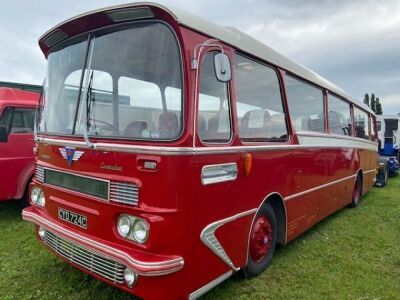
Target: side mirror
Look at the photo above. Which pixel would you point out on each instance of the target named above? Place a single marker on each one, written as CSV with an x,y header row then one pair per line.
x,y
222,67
3,134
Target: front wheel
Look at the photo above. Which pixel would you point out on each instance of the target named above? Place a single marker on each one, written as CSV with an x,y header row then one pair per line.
x,y
262,241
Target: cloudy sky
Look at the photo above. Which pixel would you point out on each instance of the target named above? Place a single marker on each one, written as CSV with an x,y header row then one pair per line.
x,y
355,44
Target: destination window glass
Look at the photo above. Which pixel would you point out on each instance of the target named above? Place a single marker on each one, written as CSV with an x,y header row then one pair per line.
x,y
214,125
361,123
258,102
306,105
339,116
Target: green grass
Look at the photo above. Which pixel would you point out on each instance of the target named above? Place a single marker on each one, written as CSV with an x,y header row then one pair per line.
x,y
354,254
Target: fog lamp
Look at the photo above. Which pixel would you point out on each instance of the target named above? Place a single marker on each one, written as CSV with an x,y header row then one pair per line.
x,y
124,225
130,277
37,196
41,232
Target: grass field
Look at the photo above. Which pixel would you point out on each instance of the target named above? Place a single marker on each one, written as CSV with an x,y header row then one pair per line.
x,y
354,254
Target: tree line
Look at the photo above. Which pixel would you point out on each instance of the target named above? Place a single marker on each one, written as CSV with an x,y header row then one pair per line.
x,y
374,103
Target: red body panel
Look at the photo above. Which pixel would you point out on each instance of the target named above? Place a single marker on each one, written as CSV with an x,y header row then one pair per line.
x,y
312,182
16,155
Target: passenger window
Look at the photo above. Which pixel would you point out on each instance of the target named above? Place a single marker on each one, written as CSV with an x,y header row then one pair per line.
x,y
214,125
339,116
5,119
372,126
361,123
22,120
306,105
378,126
259,102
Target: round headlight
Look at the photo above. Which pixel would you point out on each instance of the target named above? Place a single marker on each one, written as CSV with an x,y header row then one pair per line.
x,y
130,277
41,232
140,231
35,193
41,200
124,225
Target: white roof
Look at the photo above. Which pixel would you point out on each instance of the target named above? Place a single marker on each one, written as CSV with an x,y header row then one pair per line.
x,y
241,41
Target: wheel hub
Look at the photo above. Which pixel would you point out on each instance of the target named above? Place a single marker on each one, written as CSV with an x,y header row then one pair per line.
x,y
260,238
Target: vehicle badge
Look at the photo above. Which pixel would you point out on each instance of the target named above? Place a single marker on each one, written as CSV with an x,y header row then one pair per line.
x,y
70,154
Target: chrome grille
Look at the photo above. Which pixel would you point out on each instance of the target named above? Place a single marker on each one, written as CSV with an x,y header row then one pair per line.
x,y
125,193
85,258
39,174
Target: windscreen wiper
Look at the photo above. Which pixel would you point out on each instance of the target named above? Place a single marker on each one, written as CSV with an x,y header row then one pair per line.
x,y
89,93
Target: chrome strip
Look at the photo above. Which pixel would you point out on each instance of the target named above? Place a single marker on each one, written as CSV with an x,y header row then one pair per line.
x,y
317,188
211,174
162,150
204,289
208,238
369,171
142,267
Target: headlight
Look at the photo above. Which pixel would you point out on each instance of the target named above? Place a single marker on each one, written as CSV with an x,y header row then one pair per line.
x,y
37,196
130,277
124,225
133,228
140,230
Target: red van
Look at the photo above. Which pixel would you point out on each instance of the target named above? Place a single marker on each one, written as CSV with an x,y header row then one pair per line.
x,y
17,164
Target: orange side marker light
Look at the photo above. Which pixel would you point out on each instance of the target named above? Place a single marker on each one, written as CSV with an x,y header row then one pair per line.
x,y
247,163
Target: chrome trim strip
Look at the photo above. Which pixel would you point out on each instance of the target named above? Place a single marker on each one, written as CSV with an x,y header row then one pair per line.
x,y
208,238
162,150
205,288
318,188
333,135
211,174
141,267
369,171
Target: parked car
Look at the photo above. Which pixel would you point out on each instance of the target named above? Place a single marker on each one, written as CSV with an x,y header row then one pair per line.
x,y
17,111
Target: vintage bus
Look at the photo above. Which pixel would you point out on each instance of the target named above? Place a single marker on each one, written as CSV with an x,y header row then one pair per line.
x,y
172,152
18,104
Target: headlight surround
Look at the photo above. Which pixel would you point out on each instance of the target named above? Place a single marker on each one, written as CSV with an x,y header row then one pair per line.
x,y
37,196
133,228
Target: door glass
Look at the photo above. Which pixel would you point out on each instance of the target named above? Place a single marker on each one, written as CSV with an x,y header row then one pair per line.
x,y
22,120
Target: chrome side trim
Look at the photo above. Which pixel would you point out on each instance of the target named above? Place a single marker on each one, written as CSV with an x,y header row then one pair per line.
x,y
318,188
162,150
204,289
369,171
145,268
211,174
208,238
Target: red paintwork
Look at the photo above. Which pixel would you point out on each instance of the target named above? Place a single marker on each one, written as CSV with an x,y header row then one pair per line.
x,y
16,155
176,204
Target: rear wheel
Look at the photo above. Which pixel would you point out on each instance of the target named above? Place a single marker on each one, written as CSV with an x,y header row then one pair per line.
x,y
357,192
262,241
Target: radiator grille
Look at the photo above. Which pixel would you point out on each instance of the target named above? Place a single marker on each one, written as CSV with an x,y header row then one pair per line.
x,y
86,258
39,174
125,193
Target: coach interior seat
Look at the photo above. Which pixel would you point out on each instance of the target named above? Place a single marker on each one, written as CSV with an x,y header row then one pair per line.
x,y
168,125
255,124
135,129
218,127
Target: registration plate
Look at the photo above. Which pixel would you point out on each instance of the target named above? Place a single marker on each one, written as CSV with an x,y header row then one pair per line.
x,y
72,217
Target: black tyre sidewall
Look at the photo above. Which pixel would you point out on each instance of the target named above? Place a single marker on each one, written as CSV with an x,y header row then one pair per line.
x,y
353,203
254,268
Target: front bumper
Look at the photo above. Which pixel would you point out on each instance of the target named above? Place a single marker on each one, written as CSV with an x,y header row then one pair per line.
x,y
142,263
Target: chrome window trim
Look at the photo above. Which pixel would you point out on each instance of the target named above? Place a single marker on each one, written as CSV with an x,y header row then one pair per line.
x,y
83,176
333,135
209,239
205,288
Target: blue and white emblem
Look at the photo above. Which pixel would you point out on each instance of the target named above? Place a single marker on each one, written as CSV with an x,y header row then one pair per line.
x,y
70,154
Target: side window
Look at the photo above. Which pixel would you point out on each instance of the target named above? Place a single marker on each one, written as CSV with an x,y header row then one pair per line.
x,y
306,105
339,116
361,123
214,123
372,126
259,102
22,120
5,119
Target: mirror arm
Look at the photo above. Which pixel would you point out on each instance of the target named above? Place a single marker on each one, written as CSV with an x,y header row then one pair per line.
x,y
195,60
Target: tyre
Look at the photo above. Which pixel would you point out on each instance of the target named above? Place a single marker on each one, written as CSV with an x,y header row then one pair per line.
x,y
357,192
262,241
